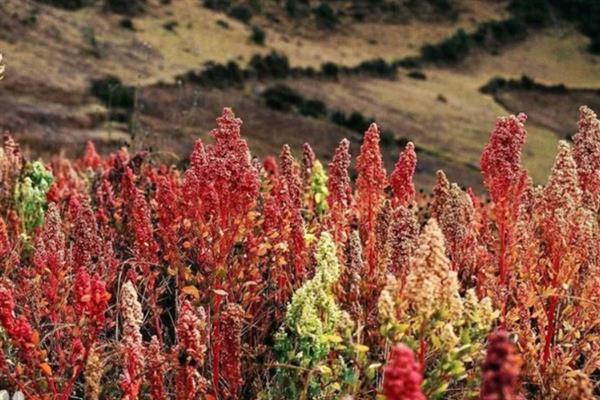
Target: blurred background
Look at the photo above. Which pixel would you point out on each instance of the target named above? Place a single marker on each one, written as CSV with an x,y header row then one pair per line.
x,y
154,74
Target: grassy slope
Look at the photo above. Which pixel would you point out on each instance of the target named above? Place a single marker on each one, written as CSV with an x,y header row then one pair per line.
x,y
453,132
459,127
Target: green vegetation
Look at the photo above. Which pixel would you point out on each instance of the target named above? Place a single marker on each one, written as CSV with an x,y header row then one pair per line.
x,y
30,196
113,92
326,16
241,13
525,83
297,8
126,7
68,4
258,35
453,49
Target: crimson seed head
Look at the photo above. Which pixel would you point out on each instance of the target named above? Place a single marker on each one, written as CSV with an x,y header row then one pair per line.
x,y
91,159
501,159
340,191
401,178
586,152
402,376
501,369
339,181
370,187
402,240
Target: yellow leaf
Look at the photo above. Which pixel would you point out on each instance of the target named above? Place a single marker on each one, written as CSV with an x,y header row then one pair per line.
x,y
324,369
333,338
192,291
361,348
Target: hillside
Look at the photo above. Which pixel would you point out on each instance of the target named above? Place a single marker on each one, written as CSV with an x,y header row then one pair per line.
x,y
53,55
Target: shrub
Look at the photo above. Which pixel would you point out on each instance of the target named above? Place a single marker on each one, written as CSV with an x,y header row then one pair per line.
x,y
113,93
282,98
127,23
273,65
325,16
452,50
330,70
338,118
217,75
524,83
258,35
377,67
407,62
417,75
533,12
357,122
493,85
313,108
126,7
387,137
241,13
494,33
297,8
586,15
68,4
217,5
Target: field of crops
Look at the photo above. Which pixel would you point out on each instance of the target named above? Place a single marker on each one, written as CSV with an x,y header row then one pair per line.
x,y
122,277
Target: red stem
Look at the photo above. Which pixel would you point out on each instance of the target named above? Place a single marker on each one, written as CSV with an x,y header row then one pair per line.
x,y
550,331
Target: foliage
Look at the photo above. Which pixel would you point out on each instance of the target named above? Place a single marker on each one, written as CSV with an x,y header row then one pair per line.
x,y
68,4
314,327
126,7
113,92
236,279
258,35
30,195
453,49
241,13
326,16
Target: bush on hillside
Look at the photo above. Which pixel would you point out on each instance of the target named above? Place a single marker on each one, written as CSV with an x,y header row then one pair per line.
x,y
241,13
258,35
282,98
217,5
217,75
313,108
451,50
326,16
330,70
378,67
112,92
297,8
126,7
493,33
68,4
273,65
